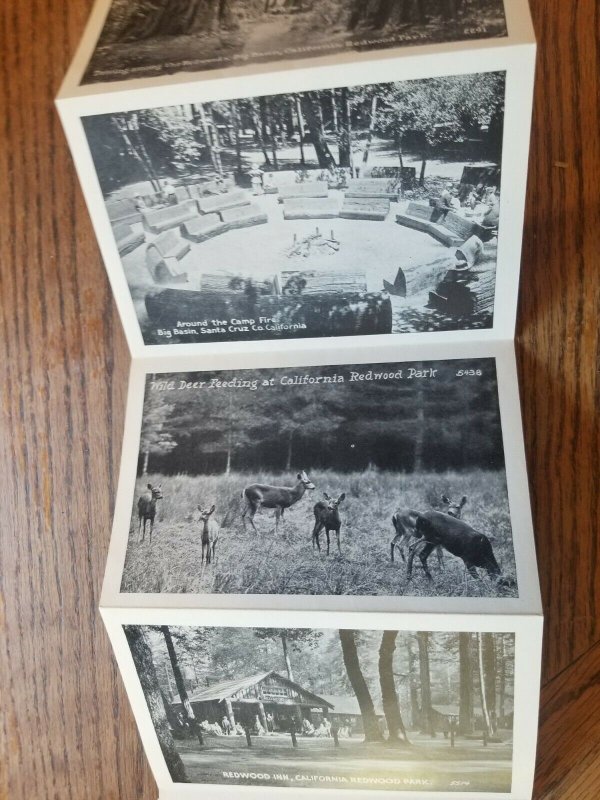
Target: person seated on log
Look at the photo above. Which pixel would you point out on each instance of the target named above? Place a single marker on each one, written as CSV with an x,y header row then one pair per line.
x,y
140,203
455,201
446,196
308,729
491,218
169,193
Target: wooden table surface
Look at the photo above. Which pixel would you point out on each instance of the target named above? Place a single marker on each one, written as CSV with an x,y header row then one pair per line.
x,y
66,724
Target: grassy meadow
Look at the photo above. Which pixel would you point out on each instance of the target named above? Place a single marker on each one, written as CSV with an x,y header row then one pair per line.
x,y
247,563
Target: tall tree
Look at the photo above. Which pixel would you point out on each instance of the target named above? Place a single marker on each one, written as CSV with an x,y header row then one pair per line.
x,y
415,712
290,638
359,686
311,107
181,690
389,695
425,674
128,127
465,708
142,657
155,437
345,129
487,726
490,667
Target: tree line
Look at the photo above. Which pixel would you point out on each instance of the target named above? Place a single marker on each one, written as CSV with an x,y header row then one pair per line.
x,y
338,125
410,672
434,424
145,19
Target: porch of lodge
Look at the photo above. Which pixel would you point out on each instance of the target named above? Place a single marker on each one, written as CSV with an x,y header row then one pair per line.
x,y
265,701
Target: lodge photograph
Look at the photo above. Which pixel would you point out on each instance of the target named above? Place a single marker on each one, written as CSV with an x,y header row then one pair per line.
x,y
271,705
186,35
352,211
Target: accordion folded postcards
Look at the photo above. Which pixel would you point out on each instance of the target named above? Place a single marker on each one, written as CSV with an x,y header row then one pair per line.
x,y
322,573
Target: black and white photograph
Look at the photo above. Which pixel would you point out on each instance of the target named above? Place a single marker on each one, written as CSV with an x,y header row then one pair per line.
x,y
352,211
143,38
365,480
330,709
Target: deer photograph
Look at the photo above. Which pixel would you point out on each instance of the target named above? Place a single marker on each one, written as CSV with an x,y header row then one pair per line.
x,y
327,518
188,35
286,459
146,507
210,533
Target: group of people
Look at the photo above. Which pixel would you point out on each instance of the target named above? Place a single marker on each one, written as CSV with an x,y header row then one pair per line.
x,y
482,202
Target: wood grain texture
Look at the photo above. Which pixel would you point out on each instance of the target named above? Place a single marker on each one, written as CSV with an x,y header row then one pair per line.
x,y
66,731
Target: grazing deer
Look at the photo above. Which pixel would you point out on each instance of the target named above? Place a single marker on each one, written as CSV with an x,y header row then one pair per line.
x,y
147,510
210,533
277,497
436,529
327,517
405,520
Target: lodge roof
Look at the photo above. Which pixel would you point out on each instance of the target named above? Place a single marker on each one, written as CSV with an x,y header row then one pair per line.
x,y
227,689
348,704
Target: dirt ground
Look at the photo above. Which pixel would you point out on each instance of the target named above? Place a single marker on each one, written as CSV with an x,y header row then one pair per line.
x,y
428,764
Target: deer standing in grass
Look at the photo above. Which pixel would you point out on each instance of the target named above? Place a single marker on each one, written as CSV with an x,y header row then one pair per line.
x,y
210,533
280,498
405,520
147,510
327,518
473,547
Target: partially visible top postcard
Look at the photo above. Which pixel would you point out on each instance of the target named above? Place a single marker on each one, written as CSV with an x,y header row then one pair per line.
x,y
147,38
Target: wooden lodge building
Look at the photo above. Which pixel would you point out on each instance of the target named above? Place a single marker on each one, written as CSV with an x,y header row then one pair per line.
x,y
265,695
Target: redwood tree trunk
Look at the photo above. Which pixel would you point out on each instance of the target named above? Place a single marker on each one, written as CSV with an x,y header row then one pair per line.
x,y
286,656
415,712
345,131
181,690
426,709
312,112
359,686
465,709
144,664
389,695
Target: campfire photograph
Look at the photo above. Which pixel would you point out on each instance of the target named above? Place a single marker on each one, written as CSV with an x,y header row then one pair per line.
x,y
351,211
330,709
141,37
369,480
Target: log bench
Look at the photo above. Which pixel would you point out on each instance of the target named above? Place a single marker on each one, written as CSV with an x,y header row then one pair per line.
x,y
163,256
127,239
215,203
200,190
244,216
374,188
293,317
223,284
123,210
170,245
161,219
446,226
199,229
310,282
365,208
299,190
311,208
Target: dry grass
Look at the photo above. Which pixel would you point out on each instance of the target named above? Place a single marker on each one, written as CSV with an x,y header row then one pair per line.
x,y
285,563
